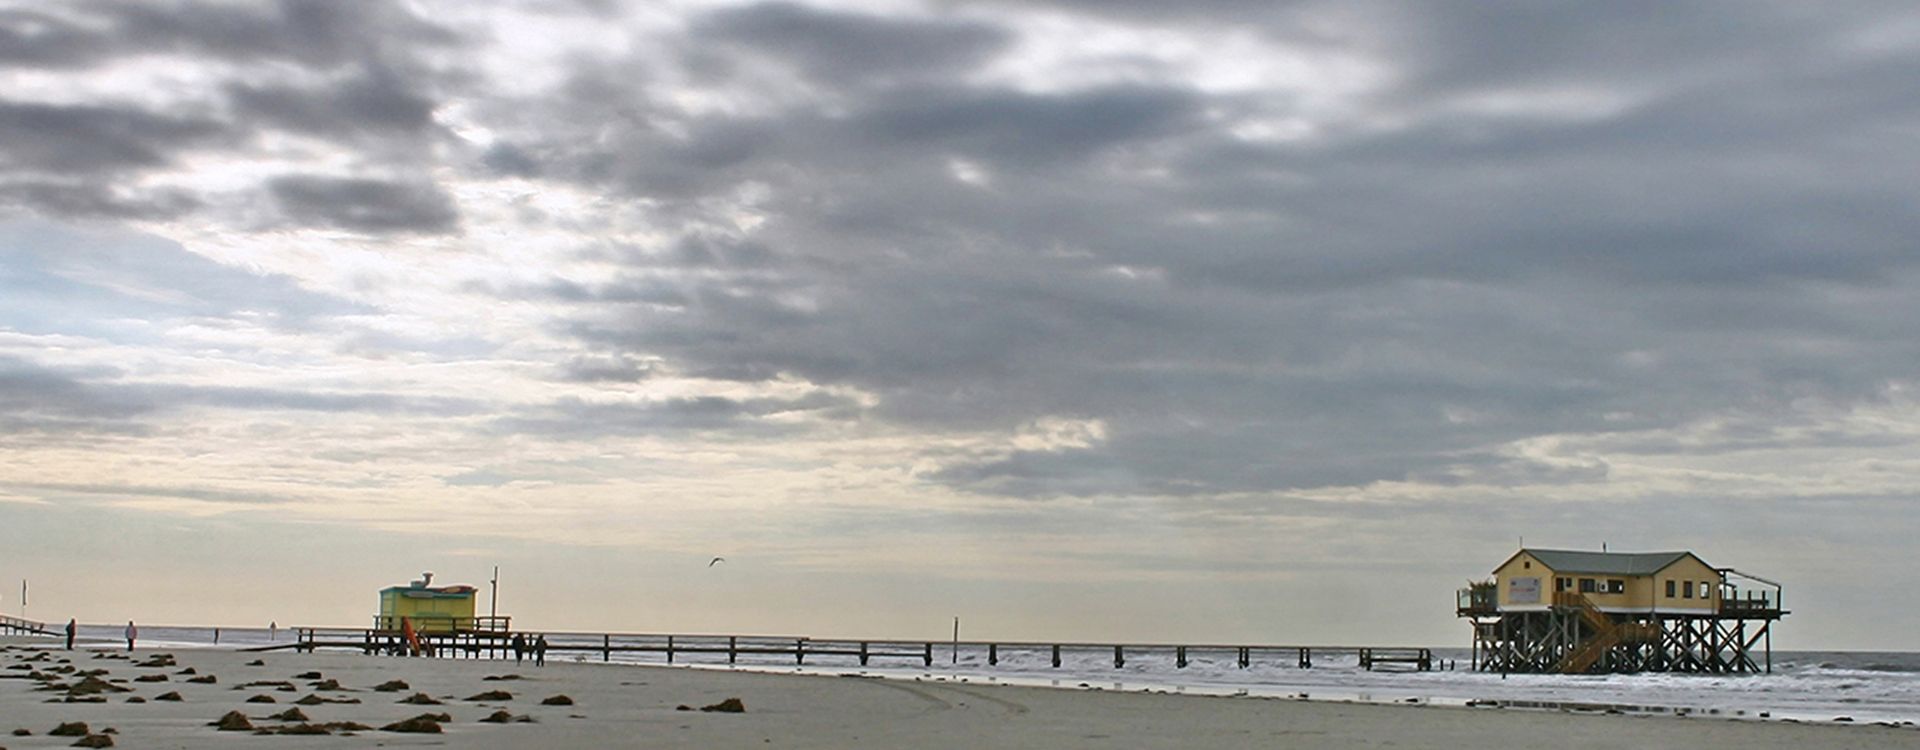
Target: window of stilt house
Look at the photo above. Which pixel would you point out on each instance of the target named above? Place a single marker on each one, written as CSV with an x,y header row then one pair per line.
x,y
1686,589
1670,587
1588,586
1616,586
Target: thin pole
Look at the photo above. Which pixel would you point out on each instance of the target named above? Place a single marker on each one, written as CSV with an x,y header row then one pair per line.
x,y
956,639
493,605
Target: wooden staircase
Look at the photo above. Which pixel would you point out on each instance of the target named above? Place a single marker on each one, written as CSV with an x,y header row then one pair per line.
x,y
1607,633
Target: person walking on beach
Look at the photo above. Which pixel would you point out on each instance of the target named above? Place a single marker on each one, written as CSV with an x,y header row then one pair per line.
x,y
132,633
540,651
71,627
519,647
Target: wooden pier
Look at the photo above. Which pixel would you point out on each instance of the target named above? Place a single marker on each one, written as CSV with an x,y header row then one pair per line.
x,y
673,648
17,626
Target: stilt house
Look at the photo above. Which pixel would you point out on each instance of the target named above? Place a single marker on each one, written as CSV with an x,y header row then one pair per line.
x,y
1576,612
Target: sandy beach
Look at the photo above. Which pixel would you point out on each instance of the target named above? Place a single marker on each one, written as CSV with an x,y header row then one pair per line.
x,y
631,706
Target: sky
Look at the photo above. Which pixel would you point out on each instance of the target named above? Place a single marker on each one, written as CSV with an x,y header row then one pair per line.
x,y
1225,320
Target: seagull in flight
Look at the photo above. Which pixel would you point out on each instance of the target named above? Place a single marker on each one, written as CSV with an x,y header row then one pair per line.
x,y
716,561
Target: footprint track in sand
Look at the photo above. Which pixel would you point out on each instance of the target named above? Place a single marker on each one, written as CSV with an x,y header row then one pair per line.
x,y
921,691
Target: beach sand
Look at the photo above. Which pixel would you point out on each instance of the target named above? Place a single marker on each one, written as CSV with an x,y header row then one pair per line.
x,y
629,706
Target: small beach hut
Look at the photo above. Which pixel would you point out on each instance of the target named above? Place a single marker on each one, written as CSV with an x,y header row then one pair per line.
x,y
432,609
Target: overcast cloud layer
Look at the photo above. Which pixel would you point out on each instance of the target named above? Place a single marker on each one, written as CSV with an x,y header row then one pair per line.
x,y
1059,315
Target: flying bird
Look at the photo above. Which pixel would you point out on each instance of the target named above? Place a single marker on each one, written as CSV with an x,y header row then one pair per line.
x,y
716,561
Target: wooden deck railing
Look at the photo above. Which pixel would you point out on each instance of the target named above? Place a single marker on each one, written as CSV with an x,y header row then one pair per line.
x,y
18,626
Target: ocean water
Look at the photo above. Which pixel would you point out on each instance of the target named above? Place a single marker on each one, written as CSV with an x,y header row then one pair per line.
x,y
1804,685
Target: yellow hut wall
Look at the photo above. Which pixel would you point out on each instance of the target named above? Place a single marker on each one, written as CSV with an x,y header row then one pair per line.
x,y
436,614
1687,569
1643,593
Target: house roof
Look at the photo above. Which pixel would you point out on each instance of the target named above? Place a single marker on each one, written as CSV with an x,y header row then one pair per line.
x,y
441,592
1609,563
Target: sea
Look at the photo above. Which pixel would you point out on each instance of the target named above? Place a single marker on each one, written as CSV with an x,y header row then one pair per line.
x,y
1809,686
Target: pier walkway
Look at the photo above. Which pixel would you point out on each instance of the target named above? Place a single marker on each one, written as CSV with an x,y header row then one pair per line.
x,y
673,648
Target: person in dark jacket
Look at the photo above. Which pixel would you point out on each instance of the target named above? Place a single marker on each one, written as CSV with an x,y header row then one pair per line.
x,y
519,647
540,650
72,626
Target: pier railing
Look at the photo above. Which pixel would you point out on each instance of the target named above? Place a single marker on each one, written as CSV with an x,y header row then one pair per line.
x,y
673,648
18,626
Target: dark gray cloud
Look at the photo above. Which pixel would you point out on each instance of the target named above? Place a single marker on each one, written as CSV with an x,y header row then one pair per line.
x,y
379,102
1510,259
306,32
69,139
82,200
365,205
36,400
39,400
841,48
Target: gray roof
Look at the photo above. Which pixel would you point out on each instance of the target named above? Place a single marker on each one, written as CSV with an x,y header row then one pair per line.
x,y
1609,563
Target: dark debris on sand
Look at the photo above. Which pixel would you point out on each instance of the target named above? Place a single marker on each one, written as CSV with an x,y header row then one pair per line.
x,y
558,700
233,721
69,729
491,695
392,686
728,706
422,724
420,699
94,740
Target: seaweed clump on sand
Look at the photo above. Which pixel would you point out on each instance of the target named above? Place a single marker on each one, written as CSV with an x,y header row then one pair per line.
x,y
728,706
233,721
422,724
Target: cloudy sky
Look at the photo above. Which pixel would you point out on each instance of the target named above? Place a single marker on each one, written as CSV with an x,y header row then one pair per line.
x,y
1216,320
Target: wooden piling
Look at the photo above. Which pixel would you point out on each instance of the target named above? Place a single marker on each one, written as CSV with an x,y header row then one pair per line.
x,y
993,654
1180,657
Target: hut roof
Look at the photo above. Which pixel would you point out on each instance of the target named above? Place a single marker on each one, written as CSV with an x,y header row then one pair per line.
x,y
438,592
1610,563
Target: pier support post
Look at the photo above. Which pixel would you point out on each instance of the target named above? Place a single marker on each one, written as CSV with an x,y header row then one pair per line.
x,y
1056,656
863,653
733,648
669,649
606,647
